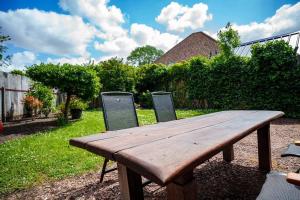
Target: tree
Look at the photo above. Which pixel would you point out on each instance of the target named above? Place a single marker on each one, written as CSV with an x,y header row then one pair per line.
x,y
18,72
4,60
144,55
115,75
71,79
228,39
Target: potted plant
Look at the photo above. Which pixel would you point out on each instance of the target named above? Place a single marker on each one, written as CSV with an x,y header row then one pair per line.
x,y
76,107
33,105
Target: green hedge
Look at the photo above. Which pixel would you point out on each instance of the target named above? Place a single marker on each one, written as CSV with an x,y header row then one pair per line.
x,y
269,79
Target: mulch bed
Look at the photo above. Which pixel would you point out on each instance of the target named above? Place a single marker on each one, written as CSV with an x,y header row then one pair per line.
x,y
20,128
215,179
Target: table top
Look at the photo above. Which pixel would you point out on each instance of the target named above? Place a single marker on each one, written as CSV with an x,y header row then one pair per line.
x,y
164,151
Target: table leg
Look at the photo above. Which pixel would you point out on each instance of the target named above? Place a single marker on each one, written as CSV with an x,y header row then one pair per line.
x,y
130,184
264,148
228,154
183,188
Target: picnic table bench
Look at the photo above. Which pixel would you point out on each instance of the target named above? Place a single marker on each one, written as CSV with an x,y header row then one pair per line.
x,y
166,153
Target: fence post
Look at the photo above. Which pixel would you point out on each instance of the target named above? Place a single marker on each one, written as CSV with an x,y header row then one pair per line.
x,y
3,117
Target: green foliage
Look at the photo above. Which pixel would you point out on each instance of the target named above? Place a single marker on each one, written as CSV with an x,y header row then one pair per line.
x,y
226,78
115,75
18,72
4,60
144,55
267,80
44,94
274,76
198,83
153,77
228,39
178,78
72,79
76,103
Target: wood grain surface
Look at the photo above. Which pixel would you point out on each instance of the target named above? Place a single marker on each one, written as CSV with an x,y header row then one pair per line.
x,y
163,152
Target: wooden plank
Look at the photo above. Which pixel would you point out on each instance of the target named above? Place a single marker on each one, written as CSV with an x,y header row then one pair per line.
x,y
163,160
183,188
130,184
228,154
163,151
108,145
224,115
293,178
264,148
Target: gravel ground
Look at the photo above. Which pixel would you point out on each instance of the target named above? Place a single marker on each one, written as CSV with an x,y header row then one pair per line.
x,y
215,179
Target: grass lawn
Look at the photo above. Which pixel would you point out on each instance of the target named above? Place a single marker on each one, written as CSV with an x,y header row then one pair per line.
x,y
47,156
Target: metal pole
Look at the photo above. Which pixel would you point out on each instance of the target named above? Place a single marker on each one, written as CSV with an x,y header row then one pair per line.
x,y
3,117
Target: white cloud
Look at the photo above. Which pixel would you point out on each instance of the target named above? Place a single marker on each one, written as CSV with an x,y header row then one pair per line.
x,y
178,17
120,47
21,60
47,32
140,35
73,60
285,20
144,34
99,13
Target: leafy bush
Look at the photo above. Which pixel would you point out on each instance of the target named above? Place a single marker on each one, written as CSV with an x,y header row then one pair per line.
x,y
18,72
199,81
76,103
273,78
178,79
45,95
226,82
72,79
115,75
153,77
267,80
32,105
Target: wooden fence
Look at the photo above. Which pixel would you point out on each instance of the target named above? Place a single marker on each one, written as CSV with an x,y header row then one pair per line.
x,y
13,89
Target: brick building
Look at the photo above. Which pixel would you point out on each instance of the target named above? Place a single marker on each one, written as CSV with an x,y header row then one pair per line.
x,y
195,44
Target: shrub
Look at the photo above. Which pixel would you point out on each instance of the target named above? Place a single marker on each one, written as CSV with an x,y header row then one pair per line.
x,y
18,72
32,105
45,95
76,103
199,81
72,79
226,82
115,75
274,77
153,77
178,78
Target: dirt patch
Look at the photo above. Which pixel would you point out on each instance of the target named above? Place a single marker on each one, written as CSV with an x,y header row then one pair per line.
x,y
25,127
215,179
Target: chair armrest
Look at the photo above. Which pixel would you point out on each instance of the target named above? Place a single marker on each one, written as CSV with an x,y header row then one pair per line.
x,y
293,178
297,142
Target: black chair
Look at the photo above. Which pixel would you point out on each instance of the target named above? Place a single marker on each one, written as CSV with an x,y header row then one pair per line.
x,y
119,113
279,186
163,106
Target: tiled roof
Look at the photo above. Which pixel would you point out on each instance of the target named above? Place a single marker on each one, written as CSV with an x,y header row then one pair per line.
x,y
196,44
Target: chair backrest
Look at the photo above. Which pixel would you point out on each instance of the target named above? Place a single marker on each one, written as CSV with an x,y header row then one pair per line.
x,y
163,106
119,110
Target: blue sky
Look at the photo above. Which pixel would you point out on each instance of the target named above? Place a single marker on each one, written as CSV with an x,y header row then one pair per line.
x,y
76,31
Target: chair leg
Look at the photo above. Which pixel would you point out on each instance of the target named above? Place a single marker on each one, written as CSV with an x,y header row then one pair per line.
x,y
103,170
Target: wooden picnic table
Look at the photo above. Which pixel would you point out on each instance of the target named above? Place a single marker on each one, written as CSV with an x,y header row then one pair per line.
x,y
167,152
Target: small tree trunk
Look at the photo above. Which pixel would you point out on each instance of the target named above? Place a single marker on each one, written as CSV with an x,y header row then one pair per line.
x,y
67,106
